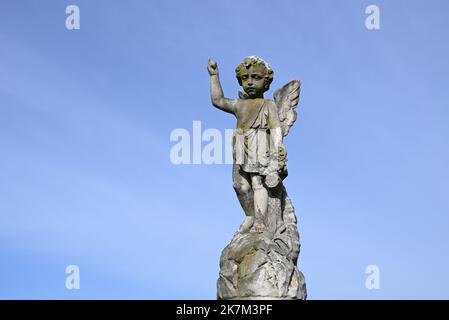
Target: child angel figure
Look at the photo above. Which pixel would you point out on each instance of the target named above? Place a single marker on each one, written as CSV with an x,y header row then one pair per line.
x,y
258,150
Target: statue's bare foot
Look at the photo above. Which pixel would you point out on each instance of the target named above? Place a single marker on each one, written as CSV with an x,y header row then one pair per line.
x,y
247,224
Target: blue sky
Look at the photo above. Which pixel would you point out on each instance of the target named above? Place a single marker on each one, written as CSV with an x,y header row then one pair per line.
x,y
86,116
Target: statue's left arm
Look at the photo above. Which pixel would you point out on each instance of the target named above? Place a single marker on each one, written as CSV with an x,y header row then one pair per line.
x,y
275,130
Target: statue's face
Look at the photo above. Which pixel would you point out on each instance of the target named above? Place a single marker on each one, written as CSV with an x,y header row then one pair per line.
x,y
253,81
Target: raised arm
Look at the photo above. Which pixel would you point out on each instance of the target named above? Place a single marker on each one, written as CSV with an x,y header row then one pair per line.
x,y
216,92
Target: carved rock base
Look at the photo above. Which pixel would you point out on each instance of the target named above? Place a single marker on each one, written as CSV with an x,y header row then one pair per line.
x,y
264,265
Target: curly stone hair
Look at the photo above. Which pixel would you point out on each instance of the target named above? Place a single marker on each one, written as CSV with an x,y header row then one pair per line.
x,y
252,61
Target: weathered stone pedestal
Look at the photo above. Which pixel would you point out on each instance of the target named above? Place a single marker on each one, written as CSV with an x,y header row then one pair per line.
x,y
263,265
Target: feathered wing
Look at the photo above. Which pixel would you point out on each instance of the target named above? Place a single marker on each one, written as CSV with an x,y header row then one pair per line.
x,y
287,99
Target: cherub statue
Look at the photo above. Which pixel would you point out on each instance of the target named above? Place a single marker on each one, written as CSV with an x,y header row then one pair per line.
x,y
259,153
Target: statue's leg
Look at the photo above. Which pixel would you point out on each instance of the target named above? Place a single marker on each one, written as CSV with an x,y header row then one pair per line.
x,y
260,202
242,187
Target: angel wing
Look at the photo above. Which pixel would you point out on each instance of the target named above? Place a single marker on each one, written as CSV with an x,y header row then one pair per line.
x,y
287,99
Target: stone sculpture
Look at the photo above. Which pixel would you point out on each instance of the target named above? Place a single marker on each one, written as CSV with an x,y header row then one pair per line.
x,y
260,262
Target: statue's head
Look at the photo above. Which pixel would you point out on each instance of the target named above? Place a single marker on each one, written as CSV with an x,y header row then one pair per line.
x,y
254,75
